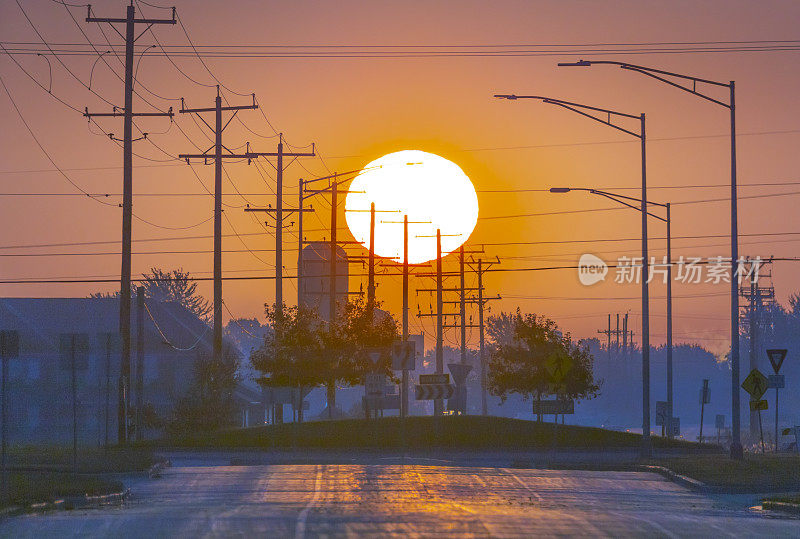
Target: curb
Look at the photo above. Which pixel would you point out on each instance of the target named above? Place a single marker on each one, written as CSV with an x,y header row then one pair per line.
x,y
688,482
67,503
155,470
786,507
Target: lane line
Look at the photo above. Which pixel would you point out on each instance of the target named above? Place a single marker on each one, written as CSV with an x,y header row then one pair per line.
x,y
300,527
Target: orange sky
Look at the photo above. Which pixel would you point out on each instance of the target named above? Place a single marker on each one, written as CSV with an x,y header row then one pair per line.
x,y
357,109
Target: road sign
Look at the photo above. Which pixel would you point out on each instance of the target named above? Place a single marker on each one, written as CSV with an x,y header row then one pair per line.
x,y
459,372
720,422
558,365
661,413
376,355
381,402
755,384
434,378
9,343
426,392
776,357
375,384
756,405
553,407
676,426
776,381
404,356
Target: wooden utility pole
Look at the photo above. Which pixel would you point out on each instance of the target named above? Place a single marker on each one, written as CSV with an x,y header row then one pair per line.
x,y
127,113
279,213
480,268
438,404
139,359
218,156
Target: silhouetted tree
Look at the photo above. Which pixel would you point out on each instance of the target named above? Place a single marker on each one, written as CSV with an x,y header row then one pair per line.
x,y
170,286
209,404
522,344
357,329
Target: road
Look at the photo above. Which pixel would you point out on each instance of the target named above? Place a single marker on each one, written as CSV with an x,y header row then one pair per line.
x,y
309,500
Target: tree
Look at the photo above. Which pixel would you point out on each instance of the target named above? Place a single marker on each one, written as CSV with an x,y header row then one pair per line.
x,y
175,285
209,404
358,328
522,345
292,354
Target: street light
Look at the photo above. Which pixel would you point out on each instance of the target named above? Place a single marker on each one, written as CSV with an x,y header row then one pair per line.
x,y
658,74
588,112
668,221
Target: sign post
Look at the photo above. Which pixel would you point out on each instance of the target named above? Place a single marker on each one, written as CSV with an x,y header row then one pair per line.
x,y
9,349
756,384
776,357
705,398
720,424
662,416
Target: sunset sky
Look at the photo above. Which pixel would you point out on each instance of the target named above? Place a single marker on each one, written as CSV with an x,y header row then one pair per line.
x,y
357,109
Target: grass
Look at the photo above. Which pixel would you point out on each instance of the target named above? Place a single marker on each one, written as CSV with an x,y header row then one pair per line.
x,y
792,498
755,472
453,432
90,460
30,487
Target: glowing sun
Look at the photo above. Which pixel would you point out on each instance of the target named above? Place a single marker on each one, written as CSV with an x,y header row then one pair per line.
x,y
433,192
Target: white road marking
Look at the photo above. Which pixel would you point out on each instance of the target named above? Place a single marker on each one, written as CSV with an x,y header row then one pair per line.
x,y
300,527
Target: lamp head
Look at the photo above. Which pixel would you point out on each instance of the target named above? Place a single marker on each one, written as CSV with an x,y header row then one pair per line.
x,y
579,63
560,189
505,96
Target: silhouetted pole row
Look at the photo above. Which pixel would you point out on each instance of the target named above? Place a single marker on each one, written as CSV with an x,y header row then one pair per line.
x,y
482,267
664,76
127,113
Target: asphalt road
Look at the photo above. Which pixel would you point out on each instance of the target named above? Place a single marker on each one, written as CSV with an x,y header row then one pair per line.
x,y
310,500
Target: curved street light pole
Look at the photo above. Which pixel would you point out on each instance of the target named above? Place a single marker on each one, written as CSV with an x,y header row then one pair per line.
x,y
622,199
592,113
662,76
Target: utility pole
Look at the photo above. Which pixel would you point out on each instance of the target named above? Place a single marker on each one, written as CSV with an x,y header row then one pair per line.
x,y
334,191
139,359
482,301
127,113
462,307
218,156
625,333
371,272
438,404
279,213
404,382
607,333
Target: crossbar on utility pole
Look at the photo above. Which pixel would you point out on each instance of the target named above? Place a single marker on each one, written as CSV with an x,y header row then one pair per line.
x,y
130,22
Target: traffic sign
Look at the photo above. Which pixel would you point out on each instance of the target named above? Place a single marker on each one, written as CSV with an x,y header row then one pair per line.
x,y
459,372
426,392
776,357
9,343
756,405
553,407
661,413
404,355
376,355
776,381
720,422
755,384
434,378
676,426
558,365
375,384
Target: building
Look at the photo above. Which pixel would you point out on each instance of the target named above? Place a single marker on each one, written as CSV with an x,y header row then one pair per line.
x,y
40,379
315,283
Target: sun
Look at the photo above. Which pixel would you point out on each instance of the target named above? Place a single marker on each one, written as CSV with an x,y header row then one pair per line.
x,y
432,191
